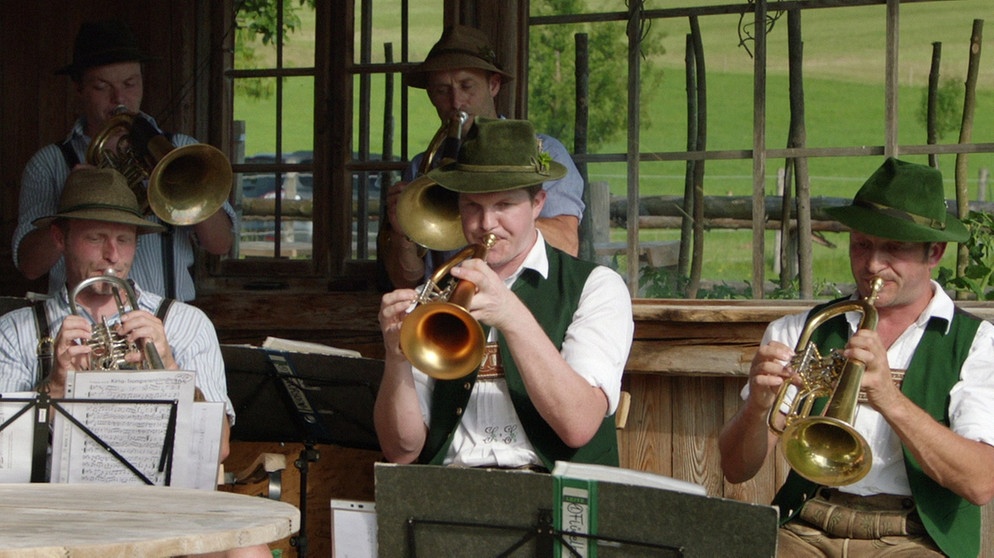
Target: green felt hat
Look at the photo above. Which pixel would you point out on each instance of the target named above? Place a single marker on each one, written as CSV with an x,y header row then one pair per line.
x,y
498,155
99,195
905,202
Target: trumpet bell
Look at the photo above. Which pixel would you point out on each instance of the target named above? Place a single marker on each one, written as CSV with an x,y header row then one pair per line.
x,y
189,184
429,215
826,451
442,340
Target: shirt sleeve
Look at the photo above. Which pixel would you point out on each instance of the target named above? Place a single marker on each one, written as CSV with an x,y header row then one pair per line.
x,y
41,186
599,339
563,196
195,347
18,360
971,401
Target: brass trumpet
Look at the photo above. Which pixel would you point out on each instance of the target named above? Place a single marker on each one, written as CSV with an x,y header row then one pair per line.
x,y
108,348
440,337
826,449
186,185
427,212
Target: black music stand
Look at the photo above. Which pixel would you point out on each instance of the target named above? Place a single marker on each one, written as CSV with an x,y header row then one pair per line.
x,y
44,406
302,398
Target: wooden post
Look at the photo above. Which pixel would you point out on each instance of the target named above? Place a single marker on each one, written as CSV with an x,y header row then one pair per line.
x,y
580,123
965,134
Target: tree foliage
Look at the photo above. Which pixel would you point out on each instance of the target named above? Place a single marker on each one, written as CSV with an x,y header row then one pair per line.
x,y
948,113
552,71
256,21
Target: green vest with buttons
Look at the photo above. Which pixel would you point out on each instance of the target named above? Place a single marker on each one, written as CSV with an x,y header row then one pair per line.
x,y
552,301
951,521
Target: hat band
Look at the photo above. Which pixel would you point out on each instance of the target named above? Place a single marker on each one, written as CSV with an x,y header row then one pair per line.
x,y
537,166
85,206
489,56
902,215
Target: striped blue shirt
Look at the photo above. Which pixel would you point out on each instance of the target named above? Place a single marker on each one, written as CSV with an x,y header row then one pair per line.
x,y
190,333
41,186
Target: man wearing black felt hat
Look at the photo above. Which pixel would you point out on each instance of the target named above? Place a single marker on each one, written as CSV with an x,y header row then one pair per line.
x,y
106,70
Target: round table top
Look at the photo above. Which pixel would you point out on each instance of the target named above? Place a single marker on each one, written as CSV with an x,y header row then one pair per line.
x,y
83,520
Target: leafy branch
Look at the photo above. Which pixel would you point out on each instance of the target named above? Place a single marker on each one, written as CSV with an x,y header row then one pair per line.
x,y
976,278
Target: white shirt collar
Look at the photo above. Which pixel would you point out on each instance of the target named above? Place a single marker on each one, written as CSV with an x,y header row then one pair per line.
x,y
940,306
537,259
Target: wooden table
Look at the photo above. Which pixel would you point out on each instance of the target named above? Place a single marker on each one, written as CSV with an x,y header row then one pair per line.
x,y
79,520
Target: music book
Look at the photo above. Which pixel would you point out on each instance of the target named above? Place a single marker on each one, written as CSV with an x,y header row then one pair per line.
x,y
293,346
576,505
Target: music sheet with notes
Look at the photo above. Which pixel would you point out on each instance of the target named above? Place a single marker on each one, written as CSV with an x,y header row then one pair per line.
x,y
15,438
134,423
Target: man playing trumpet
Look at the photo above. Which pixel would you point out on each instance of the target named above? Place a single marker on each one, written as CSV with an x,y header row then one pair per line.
x,y
558,330
461,74
927,401
107,72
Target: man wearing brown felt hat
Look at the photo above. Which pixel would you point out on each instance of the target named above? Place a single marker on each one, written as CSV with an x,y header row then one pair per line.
x,y
462,74
925,409
97,229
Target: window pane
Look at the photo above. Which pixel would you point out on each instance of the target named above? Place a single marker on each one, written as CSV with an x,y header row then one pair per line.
x,y
298,43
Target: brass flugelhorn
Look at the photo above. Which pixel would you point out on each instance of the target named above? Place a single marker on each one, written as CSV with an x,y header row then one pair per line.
x,y
186,185
440,337
826,449
427,212
107,347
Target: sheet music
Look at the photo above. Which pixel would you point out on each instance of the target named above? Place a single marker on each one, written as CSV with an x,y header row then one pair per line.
x,y
137,431
205,444
16,438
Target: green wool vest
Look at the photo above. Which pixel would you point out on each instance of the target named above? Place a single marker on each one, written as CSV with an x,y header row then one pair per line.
x,y
951,521
552,301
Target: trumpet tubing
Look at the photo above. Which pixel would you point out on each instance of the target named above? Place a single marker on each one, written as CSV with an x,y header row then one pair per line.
x,y
427,212
440,337
825,449
186,185
108,348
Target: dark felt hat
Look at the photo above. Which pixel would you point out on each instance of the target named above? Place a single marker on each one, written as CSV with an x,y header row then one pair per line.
x,y
99,43
459,47
99,195
905,202
498,155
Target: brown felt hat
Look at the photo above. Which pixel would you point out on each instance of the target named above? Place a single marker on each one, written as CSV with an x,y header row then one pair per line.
x,y
99,43
459,47
99,195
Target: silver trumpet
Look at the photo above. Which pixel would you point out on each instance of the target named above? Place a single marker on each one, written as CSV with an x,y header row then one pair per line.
x,y
109,348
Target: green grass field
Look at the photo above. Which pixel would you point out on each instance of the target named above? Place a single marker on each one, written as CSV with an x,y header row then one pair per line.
x,y
844,93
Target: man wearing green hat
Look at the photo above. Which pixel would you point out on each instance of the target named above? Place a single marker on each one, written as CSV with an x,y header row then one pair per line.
x,y
461,73
558,330
926,407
